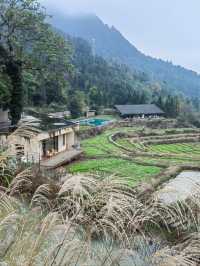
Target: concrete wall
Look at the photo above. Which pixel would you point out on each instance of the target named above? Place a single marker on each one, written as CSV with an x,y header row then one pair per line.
x,y
90,114
3,116
69,141
30,147
3,139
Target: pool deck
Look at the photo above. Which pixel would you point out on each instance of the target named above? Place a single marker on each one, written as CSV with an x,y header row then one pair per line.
x,y
94,122
61,159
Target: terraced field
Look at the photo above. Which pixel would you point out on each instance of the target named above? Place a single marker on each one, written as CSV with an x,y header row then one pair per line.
x,y
140,157
131,171
100,145
170,149
103,157
178,148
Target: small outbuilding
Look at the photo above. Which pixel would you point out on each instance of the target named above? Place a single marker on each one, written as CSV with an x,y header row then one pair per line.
x,y
139,110
90,113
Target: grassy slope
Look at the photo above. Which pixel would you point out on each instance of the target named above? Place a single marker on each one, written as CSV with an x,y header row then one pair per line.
x,y
103,157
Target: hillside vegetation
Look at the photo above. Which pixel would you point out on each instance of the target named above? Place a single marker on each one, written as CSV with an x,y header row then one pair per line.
x,y
111,44
58,72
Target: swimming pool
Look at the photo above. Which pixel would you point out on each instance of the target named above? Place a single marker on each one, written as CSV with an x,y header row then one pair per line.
x,y
94,122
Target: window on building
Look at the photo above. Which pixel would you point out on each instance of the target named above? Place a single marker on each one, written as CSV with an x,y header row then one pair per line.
x,y
55,143
64,140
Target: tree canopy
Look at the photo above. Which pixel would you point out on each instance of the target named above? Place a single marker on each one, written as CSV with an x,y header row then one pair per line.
x,y
28,45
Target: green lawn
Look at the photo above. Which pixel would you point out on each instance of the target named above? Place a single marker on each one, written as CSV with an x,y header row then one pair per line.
x,y
120,167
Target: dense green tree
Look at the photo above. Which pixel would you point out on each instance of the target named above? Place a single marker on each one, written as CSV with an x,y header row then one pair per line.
x,y
4,91
196,103
106,83
171,105
95,97
77,104
27,43
160,102
20,23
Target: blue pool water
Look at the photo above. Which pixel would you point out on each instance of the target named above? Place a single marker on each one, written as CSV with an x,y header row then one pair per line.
x,y
94,122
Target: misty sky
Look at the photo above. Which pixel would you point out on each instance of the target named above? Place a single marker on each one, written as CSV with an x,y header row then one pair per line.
x,y
167,29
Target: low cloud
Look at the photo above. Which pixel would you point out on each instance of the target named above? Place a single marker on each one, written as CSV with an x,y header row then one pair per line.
x,y
167,29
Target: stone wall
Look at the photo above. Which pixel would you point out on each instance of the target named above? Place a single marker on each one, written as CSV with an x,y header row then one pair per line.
x,y
158,123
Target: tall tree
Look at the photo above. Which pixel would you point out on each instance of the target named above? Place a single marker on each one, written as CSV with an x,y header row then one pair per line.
x,y
95,97
77,104
4,91
26,43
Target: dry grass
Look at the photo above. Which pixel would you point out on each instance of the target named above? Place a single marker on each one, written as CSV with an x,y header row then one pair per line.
x,y
90,210
90,220
6,171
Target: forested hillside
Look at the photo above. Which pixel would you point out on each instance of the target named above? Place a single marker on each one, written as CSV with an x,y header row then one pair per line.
x,y
32,56
94,82
55,70
109,43
107,83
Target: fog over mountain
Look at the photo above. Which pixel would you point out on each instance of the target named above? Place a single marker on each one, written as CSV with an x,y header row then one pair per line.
x,y
109,43
162,29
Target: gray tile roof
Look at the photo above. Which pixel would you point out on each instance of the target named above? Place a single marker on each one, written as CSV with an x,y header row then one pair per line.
x,y
139,109
45,123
